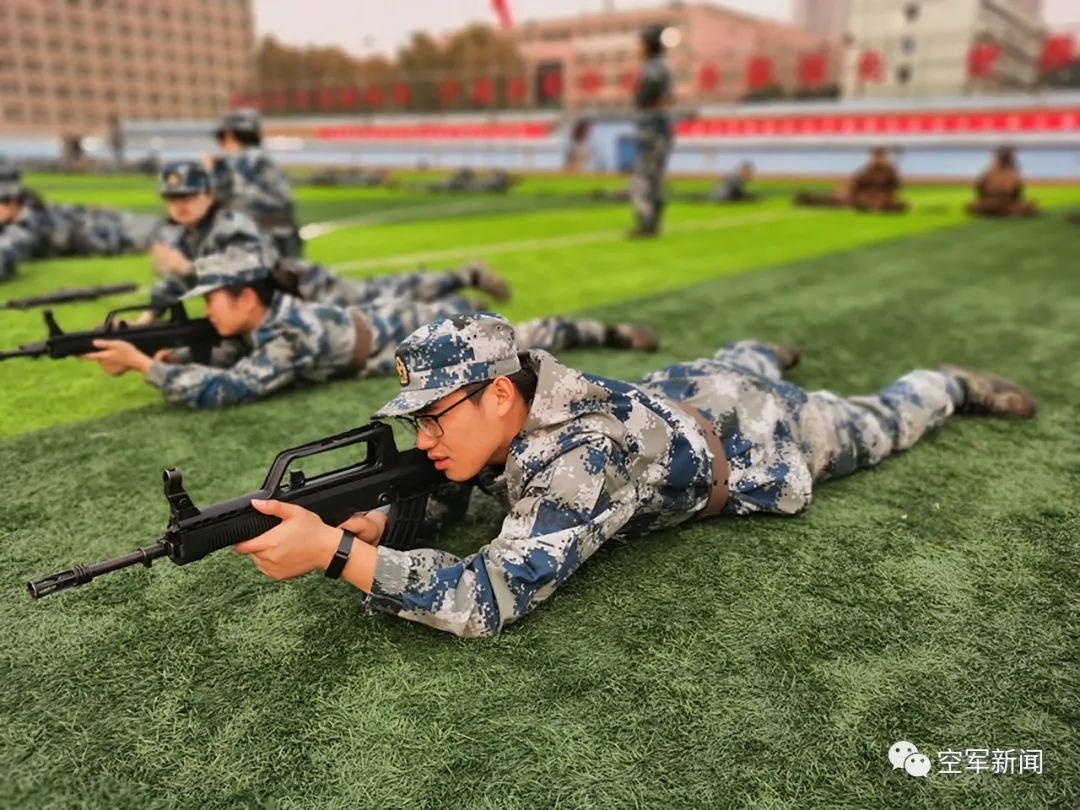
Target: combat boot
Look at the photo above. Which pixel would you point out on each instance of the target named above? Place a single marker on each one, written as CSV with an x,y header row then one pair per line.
x,y
788,355
987,395
480,277
634,336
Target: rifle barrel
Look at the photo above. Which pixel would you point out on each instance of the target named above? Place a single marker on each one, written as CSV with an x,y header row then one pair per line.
x,y
29,350
81,574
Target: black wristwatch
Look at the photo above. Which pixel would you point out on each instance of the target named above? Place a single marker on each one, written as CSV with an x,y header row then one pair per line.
x,y
341,556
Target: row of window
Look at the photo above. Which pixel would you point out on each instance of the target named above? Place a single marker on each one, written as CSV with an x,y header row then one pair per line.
x,y
89,94
164,11
202,64
65,115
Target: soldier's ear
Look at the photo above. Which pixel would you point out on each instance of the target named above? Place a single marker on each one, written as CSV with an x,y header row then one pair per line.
x,y
504,392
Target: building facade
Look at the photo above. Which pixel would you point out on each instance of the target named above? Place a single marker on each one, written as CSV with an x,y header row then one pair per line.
x,y
68,66
604,46
921,49
827,18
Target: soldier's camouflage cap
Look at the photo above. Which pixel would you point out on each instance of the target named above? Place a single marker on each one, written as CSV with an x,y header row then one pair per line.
x,y
9,182
183,178
447,354
227,269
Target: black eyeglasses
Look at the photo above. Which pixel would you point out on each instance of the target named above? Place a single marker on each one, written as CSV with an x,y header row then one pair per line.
x,y
428,423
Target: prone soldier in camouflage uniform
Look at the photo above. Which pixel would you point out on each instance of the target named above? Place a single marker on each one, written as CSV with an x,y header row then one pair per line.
x,y
577,459
198,226
246,180
274,340
315,282
30,229
654,135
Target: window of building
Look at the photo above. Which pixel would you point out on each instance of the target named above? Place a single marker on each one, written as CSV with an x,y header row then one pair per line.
x,y
907,45
30,43
903,74
13,113
911,12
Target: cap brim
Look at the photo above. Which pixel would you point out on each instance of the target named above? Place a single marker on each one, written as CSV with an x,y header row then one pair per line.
x,y
408,402
10,189
201,290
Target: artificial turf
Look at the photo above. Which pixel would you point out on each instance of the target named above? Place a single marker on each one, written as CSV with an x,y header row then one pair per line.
x,y
764,663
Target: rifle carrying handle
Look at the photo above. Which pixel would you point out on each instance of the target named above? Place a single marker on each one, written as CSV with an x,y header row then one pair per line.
x,y
379,436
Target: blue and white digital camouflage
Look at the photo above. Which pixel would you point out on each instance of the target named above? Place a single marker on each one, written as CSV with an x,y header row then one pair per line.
x,y
316,282
599,459
42,230
304,342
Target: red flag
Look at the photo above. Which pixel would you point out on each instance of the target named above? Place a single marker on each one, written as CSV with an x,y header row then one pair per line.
x,y
982,59
551,85
628,80
326,99
373,96
347,96
871,67
759,72
591,82
516,89
709,78
448,91
236,101
502,9
482,90
812,69
1058,51
402,94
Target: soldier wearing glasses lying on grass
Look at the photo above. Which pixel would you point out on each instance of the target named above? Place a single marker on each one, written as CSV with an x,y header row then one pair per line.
x,y
576,460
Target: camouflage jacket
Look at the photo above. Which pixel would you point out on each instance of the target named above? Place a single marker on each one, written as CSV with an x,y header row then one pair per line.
x,y
23,239
219,230
597,459
297,342
248,181
653,87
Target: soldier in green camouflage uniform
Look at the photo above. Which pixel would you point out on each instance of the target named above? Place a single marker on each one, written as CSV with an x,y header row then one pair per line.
x,y
276,340
576,460
654,135
246,180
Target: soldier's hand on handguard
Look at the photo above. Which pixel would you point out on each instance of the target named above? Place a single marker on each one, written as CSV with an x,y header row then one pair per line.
x,y
168,259
298,545
118,356
166,356
367,526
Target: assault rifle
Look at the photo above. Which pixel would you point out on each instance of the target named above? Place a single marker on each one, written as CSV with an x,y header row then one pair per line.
x,y
180,331
67,295
402,480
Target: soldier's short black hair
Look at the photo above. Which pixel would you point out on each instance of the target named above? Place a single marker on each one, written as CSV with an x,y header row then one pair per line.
x,y
652,39
524,379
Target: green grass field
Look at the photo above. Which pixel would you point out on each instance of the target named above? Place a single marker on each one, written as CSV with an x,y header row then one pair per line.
x,y
751,663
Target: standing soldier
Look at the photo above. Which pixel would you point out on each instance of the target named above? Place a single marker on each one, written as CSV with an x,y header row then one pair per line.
x,y
246,180
651,98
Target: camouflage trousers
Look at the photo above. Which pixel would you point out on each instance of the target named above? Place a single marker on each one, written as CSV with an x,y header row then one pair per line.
x,y
394,319
647,186
82,231
424,286
780,439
